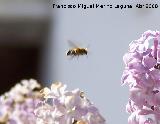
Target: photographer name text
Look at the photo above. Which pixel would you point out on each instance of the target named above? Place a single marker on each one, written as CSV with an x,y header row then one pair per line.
x,y
96,6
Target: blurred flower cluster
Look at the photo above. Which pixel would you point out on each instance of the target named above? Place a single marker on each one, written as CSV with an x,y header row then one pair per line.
x,y
26,103
142,73
17,106
66,107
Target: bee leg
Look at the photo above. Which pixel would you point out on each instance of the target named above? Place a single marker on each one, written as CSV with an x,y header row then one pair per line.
x,y
77,57
73,56
86,54
70,57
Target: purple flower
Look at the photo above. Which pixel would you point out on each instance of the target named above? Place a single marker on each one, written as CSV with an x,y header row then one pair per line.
x,y
17,105
66,107
142,73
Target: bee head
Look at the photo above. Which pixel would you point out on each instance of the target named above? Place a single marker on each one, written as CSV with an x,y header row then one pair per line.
x,y
86,50
68,53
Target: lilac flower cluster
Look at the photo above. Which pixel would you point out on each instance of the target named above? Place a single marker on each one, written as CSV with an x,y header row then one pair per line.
x,y
17,106
142,73
66,107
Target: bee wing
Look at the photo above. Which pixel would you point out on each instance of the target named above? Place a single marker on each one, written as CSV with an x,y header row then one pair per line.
x,y
71,44
88,46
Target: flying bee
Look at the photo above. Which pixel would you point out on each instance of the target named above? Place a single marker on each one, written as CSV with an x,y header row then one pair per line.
x,y
76,51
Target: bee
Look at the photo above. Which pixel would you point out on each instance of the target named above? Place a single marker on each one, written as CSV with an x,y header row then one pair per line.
x,y
76,51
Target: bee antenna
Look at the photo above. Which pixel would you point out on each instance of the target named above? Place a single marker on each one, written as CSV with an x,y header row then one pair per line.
x,y
87,46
